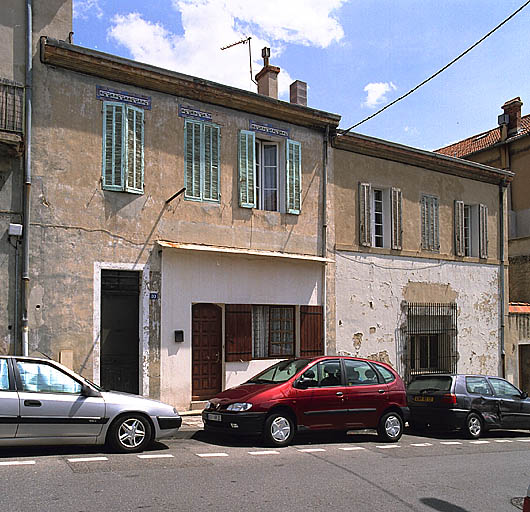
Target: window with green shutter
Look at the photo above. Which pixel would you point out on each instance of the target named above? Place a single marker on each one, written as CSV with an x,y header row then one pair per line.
x,y
293,177
201,161
247,169
123,148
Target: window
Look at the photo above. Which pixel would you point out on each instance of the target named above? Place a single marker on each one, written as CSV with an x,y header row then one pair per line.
x,y
262,181
123,148
359,373
272,331
380,216
201,161
280,372
431,339
43,378
505,389
471,230
387,375
478,385
324,374
430,240
4,375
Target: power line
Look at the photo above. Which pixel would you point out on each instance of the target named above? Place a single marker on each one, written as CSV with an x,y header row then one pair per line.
x,y
439,71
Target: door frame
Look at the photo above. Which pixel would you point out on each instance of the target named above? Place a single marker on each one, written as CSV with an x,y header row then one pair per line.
x,y
143,321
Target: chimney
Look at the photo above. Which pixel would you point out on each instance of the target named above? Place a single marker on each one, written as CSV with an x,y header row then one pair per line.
x,y
267,78
298,93
512,108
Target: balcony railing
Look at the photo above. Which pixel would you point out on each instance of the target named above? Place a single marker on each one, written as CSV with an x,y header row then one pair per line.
x,y
11,106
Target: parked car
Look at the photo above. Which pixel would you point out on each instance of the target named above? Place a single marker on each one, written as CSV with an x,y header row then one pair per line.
x,y
473,403
43,402
526,501
324,393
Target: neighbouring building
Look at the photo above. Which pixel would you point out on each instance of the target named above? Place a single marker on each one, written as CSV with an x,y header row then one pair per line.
x,y
418,257
508,147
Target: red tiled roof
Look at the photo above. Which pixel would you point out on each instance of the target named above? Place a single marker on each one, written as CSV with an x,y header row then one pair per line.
x,y
482,140
519,307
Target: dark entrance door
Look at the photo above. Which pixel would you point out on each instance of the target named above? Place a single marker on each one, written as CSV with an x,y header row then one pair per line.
x,y
206,350
120,305
524,367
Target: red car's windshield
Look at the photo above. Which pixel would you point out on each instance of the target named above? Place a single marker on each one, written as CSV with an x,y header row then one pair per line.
x,y
280,372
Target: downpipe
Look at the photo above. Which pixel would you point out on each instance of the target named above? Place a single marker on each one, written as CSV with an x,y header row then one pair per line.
x,y
324,237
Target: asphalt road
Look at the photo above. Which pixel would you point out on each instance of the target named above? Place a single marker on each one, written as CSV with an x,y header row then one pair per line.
x,y
318,473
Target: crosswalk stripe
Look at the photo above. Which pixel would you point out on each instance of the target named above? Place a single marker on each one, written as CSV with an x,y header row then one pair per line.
x,y
17,463
156,456
503,441
524,440
311,450
421,444
450,442
268,452
479,442
387,446
352,448
212,454
88,459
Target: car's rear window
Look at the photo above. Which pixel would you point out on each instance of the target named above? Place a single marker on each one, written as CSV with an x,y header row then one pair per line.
x,y
429,384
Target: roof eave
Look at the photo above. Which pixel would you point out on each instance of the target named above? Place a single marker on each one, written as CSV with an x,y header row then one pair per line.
x,y
118,69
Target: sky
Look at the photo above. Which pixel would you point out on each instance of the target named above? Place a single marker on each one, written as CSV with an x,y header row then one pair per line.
x,y
355,55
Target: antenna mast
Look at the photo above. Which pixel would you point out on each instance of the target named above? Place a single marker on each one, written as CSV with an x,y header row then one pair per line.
x,y
244,41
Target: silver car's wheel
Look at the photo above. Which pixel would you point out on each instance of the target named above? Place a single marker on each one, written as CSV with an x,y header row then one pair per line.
x,y
390,427
130,433
279,429
474,425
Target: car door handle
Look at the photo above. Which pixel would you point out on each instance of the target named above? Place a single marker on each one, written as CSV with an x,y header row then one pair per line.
x,y
380,390
340,393
32,403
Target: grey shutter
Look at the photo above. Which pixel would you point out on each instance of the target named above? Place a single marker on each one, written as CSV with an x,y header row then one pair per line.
x,y
113,145
365,217
247,169
459,228
436,224
134,157
192,159
430,239
211,163
396,218
483,231
293,177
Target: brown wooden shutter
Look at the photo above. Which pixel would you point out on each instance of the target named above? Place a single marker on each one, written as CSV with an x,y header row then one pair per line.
x,y
238,332
311,331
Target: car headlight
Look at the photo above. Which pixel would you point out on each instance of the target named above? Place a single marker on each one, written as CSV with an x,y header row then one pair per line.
x,y
208,405
239,407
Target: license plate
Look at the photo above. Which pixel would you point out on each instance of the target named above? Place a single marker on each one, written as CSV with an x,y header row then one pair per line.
x,y
424,399
213,417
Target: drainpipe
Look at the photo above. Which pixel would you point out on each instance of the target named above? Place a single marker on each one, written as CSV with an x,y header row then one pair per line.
x,y
324,234
502,187
27,176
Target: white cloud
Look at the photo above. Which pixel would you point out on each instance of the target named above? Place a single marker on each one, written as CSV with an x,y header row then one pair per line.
x,y
210,24
411,130
376,93
83,9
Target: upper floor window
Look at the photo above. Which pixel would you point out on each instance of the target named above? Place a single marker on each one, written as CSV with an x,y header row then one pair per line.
x,y
201,160
380,216
430,231
471,230
123,148
261,179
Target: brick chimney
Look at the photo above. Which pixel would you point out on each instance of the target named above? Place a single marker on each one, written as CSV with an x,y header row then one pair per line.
x,y
513,109
267,78
298,93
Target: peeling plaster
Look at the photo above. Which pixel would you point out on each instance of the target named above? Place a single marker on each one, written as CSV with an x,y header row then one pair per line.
x,y
357,340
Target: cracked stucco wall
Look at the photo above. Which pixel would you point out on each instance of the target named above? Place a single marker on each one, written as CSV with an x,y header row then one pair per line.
x,y
370,290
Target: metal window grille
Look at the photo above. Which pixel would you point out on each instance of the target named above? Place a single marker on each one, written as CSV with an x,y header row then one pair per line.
x,y
430,339
11,106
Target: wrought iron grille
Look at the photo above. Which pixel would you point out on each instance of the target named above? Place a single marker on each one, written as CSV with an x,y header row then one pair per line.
x,y
430,339
11,106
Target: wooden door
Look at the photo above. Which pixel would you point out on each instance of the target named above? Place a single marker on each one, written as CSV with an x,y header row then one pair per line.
x,y
206,351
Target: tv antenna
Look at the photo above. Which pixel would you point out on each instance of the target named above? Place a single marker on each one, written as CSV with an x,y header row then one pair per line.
x,y
244,41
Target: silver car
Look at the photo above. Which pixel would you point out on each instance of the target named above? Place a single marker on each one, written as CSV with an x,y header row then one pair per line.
x,y
43,402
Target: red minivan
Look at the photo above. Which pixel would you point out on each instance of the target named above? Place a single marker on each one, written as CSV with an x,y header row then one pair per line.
x,y
323,393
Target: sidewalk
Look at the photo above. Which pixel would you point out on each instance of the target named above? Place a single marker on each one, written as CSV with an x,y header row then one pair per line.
x,y
191,423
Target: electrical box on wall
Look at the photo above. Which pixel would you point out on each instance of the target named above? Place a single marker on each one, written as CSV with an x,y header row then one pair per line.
x,y
179,336
15,230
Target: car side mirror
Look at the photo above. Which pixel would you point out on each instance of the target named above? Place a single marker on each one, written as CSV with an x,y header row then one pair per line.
x,y
87,391
302,383
524,395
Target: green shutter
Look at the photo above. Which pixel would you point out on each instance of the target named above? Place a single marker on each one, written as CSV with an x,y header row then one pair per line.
x,y
211,163
192,159
113,146
483,231
134,157
365,214
247,169
459,228
294,177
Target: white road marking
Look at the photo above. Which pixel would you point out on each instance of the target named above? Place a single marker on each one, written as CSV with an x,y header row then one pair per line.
x,y
17,463
268,452
479,442
156,456
503,441
421,444
450,442
388,446
352,448
311,450
524,440
88,459
221,454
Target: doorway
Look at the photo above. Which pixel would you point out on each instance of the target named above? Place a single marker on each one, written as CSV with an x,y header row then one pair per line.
x,y
206,350
120,317
524,367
